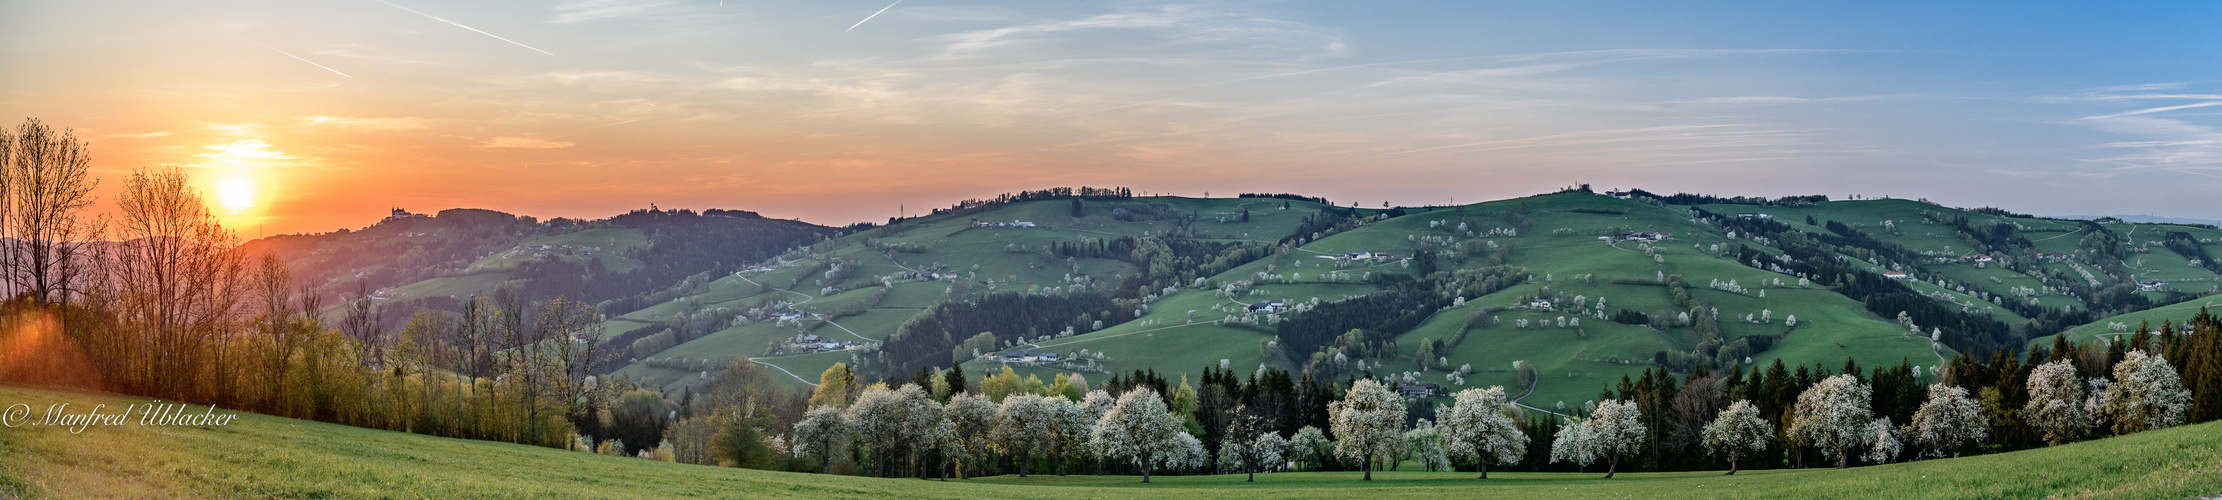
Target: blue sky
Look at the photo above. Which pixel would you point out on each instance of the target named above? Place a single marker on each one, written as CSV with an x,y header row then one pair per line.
x,y
586,108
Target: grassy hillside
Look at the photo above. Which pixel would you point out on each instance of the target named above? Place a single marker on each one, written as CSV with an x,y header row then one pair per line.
x,y
261,456
1561,250
2177,313
1558,245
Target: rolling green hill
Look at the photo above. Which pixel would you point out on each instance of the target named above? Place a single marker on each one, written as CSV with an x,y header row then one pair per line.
x,y
2177,314
2036,277
262,456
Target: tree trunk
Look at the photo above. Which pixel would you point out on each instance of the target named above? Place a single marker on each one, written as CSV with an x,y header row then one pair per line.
x,y
1145,470
1841,458
1253,470
1367,466
1024,458
826,452
1484,467
1611,465
1731,467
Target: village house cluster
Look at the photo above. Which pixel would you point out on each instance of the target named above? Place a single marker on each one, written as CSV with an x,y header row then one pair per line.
x,y
821,344
1001,223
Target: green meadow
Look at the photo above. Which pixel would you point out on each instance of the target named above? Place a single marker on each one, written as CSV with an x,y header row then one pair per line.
x,y
270,457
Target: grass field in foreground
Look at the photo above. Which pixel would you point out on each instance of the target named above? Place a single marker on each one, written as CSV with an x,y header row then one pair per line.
x,y
261,456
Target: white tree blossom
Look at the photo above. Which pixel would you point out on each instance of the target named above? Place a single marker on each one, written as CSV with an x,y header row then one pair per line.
x,y
1615,429
882,420
1192,454
2056,402
1069,429
1477,425
1948,421
1736,431
1023,425
1141,431
1311,447
973,419
1572,444
1885,441
1368,423
1833,415
2146,394
922,421
821,430
1250,443
1425,444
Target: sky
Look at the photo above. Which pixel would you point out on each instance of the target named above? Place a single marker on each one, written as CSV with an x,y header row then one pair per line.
x,y
314,115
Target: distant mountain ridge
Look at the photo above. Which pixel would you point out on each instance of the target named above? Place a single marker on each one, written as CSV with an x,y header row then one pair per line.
x,y
2143,219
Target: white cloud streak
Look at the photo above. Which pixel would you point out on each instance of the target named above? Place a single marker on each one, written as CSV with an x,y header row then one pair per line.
x,y
852,27
460,25
311,63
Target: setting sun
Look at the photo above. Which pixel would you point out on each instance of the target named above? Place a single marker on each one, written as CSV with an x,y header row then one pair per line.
x,y
236,194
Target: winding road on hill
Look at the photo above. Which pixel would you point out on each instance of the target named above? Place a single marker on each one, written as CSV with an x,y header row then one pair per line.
x,y
760,361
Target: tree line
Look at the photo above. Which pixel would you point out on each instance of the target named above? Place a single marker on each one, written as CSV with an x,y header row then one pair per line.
x,y
938,424
160,300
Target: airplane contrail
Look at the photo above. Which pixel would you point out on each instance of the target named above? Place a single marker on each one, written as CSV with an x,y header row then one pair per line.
x,y
852,27
288,54
460,25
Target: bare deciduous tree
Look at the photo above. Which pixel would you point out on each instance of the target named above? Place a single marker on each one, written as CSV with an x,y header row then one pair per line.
x,y
45,189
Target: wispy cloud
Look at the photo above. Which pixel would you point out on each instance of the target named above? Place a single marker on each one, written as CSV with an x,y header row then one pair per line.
x,y
288,54
524,142
1776,99
147,135
2171,144
2161,109
460,25
594,10
369,124
1192,27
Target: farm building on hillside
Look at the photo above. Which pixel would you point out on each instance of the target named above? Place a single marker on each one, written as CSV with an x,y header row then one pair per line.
x,y
1273,306
1895,275
1540,304
1754,216
1363,255
2151,285
1418,390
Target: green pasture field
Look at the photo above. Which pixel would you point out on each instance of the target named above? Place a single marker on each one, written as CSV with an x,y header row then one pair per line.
x,y
263,456
605,244
2177,313
463,286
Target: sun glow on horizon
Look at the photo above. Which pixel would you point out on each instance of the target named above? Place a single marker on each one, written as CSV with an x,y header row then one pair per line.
x,y
236,172
236,194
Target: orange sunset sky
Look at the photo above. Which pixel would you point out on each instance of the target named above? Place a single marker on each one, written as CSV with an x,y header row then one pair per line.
x,y
309,116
